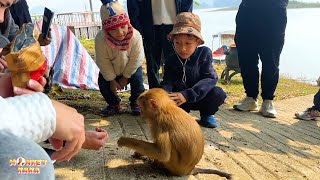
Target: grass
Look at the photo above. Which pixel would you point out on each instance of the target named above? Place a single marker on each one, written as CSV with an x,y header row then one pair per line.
x,y
287,88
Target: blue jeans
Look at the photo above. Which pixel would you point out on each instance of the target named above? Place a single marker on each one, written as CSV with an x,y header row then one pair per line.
x,y
136,84
13,147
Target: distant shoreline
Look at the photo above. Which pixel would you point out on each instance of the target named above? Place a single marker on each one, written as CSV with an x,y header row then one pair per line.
x,y
291,5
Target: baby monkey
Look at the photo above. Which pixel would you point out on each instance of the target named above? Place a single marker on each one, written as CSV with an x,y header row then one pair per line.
x,y
178,140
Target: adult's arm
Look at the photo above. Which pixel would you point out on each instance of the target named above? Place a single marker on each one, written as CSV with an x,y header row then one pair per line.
x,y
30,116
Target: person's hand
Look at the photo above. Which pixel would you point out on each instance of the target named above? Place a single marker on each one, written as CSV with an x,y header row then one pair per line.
x,y
95,139
114,86
69,128
6,89
32,86
3,63
178,98
44,41
123,82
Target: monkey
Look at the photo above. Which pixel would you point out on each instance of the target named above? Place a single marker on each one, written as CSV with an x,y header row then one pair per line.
x,y
178,139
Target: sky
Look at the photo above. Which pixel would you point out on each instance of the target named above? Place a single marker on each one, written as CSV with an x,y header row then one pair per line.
x,y
59,6
63,5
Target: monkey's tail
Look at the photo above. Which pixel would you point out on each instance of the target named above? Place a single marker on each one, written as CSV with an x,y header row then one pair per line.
x,y
211,171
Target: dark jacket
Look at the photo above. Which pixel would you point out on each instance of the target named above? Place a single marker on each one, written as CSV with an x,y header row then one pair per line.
x,y
201,77
20,12
265,3
140,14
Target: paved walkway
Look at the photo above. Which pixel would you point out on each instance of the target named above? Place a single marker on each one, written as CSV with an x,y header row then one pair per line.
x,y
245,144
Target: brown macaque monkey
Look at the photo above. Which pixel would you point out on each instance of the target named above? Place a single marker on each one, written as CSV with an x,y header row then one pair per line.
x,y
178,139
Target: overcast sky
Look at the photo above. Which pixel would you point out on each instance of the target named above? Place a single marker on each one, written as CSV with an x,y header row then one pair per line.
x,y
65,5
77,5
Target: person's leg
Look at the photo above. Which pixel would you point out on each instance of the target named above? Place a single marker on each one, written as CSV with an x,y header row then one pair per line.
x,y
153,51
246,42
112,100
270,47
12,147
209,105
168,49
136,84
316,101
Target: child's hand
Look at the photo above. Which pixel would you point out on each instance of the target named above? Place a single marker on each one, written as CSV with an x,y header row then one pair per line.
x,y
123,82
114,86
178,98
3,64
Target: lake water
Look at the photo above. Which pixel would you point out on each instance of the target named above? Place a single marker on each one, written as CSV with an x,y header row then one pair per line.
x,y
300,57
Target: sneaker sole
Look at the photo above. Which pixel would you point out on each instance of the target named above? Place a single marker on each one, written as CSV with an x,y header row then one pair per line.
x,y
239,109
269,115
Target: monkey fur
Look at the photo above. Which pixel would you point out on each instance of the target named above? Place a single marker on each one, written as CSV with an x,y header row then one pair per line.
x,y
178,139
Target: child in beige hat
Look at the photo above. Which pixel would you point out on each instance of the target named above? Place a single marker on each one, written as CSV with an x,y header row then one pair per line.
x,y
189,76
119,55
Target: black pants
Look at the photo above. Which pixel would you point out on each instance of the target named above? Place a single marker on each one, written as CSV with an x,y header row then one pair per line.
x,y
260,33
153,49
209,105
316,101
136,84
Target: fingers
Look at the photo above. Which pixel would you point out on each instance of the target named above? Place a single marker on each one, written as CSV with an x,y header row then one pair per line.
x,y
56,143
3,64
42,81
70,149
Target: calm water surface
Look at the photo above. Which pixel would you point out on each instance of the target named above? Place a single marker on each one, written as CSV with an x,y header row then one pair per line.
x,y
300,58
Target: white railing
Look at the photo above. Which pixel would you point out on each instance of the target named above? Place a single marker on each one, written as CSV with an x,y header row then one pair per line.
x,y
76,19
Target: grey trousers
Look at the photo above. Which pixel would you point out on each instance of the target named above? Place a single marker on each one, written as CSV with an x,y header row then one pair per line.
x,y
12,147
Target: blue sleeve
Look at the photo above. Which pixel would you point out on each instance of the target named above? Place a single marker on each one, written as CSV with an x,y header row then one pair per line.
x,y
134,14
208,80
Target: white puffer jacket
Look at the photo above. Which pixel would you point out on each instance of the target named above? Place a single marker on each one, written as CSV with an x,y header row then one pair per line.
x,y
29,116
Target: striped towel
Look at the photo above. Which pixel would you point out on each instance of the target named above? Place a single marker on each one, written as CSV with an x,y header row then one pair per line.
x,y
73,66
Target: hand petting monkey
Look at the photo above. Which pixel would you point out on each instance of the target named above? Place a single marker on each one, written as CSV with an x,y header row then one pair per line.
x,y
178,98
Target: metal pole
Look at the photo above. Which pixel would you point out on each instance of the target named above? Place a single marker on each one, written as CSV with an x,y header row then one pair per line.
x,y
91,9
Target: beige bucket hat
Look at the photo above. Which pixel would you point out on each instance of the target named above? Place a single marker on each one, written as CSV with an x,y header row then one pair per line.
x,y
187,23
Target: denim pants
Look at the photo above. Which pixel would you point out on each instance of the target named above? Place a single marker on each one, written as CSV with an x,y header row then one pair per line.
x,y
260,34
209,105
13,147
153,51
136,84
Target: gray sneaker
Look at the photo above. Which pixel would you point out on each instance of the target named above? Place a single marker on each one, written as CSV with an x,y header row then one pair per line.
x,y
308,115
267,109
247,104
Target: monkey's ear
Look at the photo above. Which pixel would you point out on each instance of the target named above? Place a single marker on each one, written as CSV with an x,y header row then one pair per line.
x,y
153,103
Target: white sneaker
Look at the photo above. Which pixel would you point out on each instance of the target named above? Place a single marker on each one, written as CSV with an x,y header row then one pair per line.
x,y
309,114
247,104
267,109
